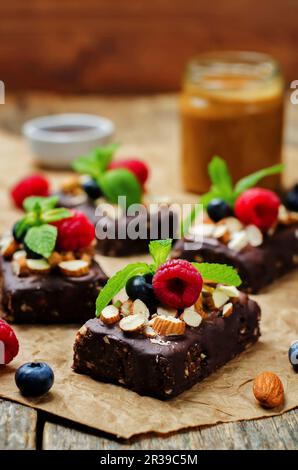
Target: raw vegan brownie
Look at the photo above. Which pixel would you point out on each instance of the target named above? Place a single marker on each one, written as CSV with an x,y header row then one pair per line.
x,y
248,228
48,274
172,331
100,181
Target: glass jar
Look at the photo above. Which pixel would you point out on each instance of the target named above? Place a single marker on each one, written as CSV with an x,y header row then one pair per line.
x,y
231,106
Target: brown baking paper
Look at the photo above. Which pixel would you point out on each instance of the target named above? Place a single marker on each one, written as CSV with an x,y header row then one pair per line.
x,y
224,396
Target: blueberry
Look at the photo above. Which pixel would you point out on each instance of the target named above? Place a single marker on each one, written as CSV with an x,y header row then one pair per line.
x,y
18,239
293,355
140,287
34,378
218,209
291,199
92,189
31,254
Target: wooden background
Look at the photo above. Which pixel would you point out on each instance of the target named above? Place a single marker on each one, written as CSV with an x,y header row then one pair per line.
x,y
118,46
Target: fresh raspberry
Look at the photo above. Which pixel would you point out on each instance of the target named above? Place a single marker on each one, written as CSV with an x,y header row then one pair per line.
x,y
10,341
177,283
74,232
34,185
137,167
258,206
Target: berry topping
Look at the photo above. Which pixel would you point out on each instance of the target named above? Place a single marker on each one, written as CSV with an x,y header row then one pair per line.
x,y
218,209
34,378
258,206
74,232
293,355
140,287
34,185
291,199
177,283
10,342
137,167
92,189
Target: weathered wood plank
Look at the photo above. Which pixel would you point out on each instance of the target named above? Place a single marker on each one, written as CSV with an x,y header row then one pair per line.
x,y
17,426
279,432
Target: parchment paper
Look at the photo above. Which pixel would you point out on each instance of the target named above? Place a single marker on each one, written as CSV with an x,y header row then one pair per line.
x,y
224,396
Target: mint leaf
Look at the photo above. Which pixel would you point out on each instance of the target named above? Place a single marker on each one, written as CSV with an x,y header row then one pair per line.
x,y
21,227
96,162
120,182
251,180
160,250
41,239
190,219
38,202
117,282
55,214
220,273
220,177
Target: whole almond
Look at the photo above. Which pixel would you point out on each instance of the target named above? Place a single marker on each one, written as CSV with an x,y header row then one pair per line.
x,y
268,390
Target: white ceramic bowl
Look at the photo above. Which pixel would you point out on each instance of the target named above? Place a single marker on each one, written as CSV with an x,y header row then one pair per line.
x,y
58,139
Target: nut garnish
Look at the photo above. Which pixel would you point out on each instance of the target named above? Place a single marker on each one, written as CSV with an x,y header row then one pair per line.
x,y
54,259
38,266
74,268
167,312
19,254
227,309
191,317
149,332
238,241
254,235
268,390
219,298
110,315
132,323
8,247
72,185
19,267
126,308
230,291
233,225
168,326
139,308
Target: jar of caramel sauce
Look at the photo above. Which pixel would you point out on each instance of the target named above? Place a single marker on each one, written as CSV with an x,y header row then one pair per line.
x,y
231,106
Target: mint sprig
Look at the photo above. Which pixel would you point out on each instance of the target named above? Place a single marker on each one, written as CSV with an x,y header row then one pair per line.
x,y
220,273
41,239
221,181
117,282
160,250
41,211
95,163
120,182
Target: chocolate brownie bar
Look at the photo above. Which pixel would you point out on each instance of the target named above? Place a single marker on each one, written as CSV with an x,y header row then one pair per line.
x,y
165,366
258,266
117,246
49,298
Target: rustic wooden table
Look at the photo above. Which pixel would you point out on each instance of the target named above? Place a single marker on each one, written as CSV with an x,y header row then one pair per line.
x,y
148,126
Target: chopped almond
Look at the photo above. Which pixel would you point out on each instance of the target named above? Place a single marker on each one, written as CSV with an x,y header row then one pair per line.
x,y
191,317
72,185
8,247
139,308
68,256
167,312
55,259
254,235
132,323
227,309
38,266
74,268
219,298
126,308
168,326
110,315
19,267
149,332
